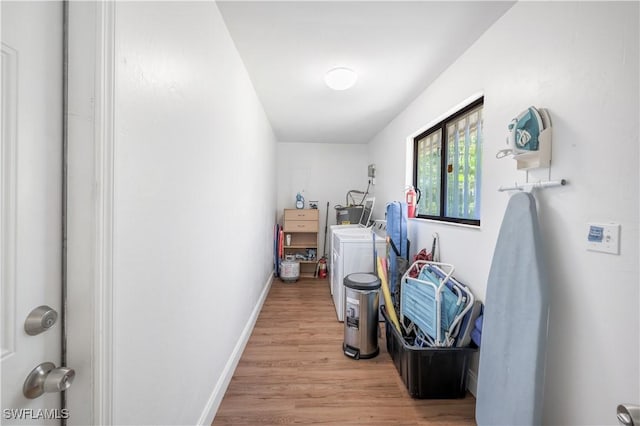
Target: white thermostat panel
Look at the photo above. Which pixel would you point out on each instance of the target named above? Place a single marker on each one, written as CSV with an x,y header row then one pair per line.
x,y
604,237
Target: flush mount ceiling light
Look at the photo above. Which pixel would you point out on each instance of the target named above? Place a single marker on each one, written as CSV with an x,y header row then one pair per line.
x,y
340,78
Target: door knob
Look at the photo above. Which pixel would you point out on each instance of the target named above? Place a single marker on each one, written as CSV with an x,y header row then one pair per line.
x,y
628,414
47,378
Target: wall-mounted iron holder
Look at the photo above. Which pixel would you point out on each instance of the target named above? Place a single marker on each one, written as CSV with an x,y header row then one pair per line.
x,y
541,157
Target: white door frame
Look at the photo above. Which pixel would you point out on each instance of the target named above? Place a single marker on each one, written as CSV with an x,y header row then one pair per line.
x,y
90,241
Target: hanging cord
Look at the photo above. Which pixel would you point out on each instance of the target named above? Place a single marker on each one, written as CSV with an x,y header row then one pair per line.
x,y
364,197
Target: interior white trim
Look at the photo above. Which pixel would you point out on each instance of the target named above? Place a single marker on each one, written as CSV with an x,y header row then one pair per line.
x,y
472,382
104,168
211,408
8,187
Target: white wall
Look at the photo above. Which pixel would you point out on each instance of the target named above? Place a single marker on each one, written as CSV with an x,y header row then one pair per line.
x,y
579,60
325,172
194,209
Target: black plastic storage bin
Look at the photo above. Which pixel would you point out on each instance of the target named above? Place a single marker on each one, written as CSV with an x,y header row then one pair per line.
x,y
428,373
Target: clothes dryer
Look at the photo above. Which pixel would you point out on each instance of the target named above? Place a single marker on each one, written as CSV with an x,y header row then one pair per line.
x,y
352,251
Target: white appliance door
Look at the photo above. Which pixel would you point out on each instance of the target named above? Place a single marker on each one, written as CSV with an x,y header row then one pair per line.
x,y
30,213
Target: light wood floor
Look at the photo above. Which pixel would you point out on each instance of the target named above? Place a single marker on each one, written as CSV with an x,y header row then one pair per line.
x,y
293,371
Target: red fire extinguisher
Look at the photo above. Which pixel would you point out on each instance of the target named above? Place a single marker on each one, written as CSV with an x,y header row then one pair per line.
x,y
322,273
412,201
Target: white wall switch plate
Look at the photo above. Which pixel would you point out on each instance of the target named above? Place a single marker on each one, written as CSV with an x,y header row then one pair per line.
x,y
603,237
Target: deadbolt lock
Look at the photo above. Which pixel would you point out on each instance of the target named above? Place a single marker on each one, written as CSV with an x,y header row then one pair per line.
x,y
40,319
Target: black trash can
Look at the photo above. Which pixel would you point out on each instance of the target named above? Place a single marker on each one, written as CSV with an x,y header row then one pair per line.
x,y
361,315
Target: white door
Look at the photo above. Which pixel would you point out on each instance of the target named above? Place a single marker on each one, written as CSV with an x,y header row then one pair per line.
x,y
30,182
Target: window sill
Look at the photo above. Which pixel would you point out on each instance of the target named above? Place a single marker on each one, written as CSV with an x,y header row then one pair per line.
x,y
442,222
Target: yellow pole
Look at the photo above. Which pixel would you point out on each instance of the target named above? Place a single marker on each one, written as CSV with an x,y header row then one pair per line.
x,y
391,312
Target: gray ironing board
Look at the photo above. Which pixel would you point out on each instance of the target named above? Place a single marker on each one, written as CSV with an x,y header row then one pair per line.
x,y
514,330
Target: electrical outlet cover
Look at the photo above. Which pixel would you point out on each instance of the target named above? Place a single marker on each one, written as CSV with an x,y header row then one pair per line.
x,y
371,172
603,237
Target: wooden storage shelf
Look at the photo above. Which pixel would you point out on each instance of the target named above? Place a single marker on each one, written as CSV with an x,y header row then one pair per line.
x,y
301,226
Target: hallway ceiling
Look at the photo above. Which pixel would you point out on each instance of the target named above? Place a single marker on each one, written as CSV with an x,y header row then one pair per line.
x,y
397,49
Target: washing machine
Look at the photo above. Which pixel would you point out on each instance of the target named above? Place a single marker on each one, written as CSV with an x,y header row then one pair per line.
x,y
362,226
352,251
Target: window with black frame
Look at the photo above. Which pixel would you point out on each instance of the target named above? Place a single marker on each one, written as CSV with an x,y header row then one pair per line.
x,y
447,167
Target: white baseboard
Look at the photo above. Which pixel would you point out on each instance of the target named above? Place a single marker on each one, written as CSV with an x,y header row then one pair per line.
x,y
210,410
472,382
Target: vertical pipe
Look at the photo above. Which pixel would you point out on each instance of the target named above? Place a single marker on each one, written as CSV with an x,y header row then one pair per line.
x,y
65,159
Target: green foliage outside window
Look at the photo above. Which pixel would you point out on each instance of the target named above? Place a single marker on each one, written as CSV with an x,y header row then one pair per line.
x,y
459,186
